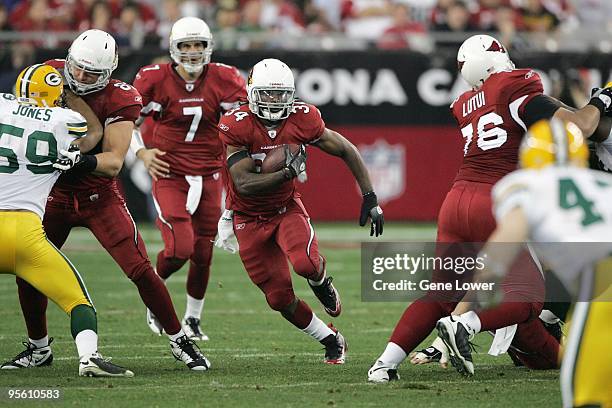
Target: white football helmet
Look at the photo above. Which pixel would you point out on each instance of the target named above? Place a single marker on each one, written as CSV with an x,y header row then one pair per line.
x,y
271,89
95,53
480,56
191,29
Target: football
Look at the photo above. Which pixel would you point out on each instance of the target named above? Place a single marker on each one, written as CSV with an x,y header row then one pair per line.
x,y
275,158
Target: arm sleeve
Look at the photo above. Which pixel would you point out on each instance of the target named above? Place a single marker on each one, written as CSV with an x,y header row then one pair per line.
x,y
538,108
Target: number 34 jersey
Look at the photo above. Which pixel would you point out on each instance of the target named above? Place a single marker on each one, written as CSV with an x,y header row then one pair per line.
x,y
30,139
186,114
562,205
490,119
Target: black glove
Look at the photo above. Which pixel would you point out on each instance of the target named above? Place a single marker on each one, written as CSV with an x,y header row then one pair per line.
x,y
370,208
68,160
601,98
295,163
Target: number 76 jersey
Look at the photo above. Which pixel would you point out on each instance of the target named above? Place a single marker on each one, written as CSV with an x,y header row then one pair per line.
x,y
492,124
186,113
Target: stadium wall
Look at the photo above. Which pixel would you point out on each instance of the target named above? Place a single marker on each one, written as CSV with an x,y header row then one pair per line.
x,y
394,107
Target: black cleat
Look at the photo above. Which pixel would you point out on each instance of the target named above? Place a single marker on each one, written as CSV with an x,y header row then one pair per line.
x,y
457,339
328,296
335,347
184,349
32,356
97,366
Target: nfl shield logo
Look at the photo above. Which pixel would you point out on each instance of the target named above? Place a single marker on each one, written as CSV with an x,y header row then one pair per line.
x,y
189,87
272,134
387,166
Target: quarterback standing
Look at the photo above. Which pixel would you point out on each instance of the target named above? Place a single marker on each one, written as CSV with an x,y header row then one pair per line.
x,y
492,118
88,194
37,143
186,98
270,221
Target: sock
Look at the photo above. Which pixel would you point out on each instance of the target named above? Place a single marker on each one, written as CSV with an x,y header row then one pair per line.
x,y
301,317
83,317
318,329
176,335
319,282
393,355
166,266
418,320
86,343
44,342
505,314
194,307
155,296
34,308
471,321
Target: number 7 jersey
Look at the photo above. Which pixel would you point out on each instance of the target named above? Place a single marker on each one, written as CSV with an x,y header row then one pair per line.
x,y
30,139
186,114
492,125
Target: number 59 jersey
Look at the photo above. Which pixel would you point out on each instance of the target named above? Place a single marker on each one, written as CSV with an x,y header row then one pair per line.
x,y
492,125
562,205
186,114
30,139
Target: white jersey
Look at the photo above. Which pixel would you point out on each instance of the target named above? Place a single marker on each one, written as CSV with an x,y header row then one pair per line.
x,y
30,139
569,213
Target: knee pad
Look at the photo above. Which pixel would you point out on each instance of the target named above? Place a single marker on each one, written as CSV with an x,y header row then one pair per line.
x,y
279,299
306,267
140,271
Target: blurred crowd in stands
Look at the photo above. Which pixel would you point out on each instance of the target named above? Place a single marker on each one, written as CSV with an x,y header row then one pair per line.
x,y
388,24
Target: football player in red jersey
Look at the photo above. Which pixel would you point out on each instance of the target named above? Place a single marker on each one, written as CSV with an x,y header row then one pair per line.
x,y
270,221
88,194
186,98
493,117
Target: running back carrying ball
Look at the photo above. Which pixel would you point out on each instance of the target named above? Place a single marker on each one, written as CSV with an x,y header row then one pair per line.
x,y
276,159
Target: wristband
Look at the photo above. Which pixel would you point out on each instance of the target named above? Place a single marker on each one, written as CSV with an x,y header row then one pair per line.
x,y
87,164
598,103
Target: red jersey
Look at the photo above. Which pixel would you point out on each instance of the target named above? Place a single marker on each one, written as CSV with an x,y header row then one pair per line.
x,y
490,119
241,128
117,102
187,114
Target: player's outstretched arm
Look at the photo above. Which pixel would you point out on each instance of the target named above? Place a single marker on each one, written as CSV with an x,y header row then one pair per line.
x,y
95,130
589,117
247,181
337,145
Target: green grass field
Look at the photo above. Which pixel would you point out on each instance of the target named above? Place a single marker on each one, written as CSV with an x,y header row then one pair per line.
x,y
258,359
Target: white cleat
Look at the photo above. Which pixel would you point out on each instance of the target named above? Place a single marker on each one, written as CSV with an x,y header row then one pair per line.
x,y
32,356
154,324
184,349
457,338
382,373
191,327
95,365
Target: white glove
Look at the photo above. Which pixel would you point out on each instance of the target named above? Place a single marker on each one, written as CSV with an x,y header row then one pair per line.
x,y
68,160
226,239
